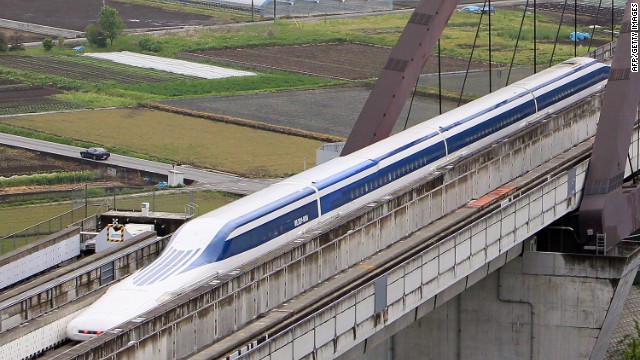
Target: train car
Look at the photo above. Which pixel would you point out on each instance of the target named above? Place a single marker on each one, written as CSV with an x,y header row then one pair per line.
x,y
234,234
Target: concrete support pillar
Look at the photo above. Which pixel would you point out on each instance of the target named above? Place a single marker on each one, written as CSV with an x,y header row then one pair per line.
x,y
538,306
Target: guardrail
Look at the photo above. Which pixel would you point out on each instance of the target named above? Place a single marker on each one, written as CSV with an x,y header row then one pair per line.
x,y
604,52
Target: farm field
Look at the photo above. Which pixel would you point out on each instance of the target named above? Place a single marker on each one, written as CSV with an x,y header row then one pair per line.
x,y
181,139
19,162
87,69
351,61
26,99
95,83
76,15
353,49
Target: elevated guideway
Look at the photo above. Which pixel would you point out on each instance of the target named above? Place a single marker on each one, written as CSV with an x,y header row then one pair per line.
x,y
34,315
395,259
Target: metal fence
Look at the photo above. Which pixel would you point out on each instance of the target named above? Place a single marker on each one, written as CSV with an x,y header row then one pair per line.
x,y
186,201
174,201
44,228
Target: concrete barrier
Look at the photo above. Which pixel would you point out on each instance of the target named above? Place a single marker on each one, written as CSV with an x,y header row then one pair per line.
x,y
40,29
46,253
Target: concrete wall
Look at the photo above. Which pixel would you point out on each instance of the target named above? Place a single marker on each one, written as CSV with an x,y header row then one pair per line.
x,y
43,254
538,306
40,29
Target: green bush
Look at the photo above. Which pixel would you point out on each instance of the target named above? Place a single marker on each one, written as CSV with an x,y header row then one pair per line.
x,y
632,349
151,45
95,36
50,179
16,47
47,44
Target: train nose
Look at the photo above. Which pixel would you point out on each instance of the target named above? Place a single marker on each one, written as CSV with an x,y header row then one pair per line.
x,y
112,309
81,328
87,326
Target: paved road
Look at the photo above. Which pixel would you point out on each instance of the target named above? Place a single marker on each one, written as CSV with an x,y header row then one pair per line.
x,y
218,181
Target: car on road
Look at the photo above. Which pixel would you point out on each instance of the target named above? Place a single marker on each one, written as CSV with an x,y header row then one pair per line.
x,y
95,153
477,9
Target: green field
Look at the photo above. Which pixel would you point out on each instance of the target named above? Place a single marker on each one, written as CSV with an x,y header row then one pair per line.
x,y
20,217
384,30
180,139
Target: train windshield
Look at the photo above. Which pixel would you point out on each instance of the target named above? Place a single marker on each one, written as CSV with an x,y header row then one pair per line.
x,y
196,233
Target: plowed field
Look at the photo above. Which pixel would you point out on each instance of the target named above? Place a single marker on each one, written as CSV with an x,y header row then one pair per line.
x,y
344,60
76,15
86,69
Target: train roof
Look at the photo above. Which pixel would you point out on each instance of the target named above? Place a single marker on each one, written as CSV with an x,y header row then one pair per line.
x,y
431,127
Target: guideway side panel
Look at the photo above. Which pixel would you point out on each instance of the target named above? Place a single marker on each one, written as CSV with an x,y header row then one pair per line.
x,y
607,211
399,75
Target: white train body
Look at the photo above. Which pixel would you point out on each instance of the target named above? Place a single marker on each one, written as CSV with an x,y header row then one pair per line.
x,y
232,235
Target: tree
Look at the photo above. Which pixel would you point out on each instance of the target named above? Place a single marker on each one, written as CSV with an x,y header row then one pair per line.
x,y
110,23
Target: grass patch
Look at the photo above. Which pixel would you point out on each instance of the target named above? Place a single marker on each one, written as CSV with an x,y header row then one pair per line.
x,y
461,30
228,86
176,138
17,218
175,201
55,178
95,100
36,134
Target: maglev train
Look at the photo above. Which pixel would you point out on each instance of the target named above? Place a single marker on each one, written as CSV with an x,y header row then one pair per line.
x,y
234,234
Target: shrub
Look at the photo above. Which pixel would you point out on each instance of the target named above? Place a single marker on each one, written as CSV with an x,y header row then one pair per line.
x,y
3,43
49,179
47,44
15,47
15,42
151,45
95,36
